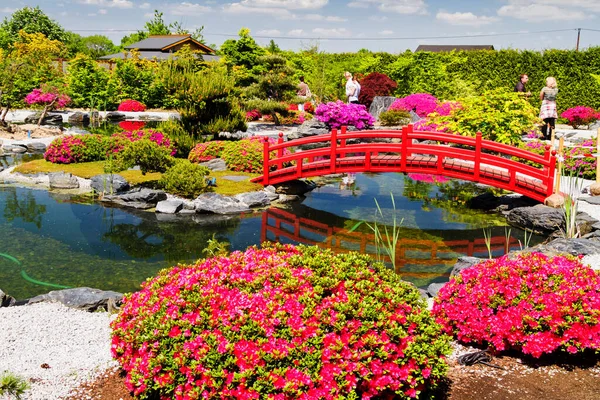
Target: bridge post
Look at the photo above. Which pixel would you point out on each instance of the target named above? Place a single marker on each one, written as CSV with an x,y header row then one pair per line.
x,y
333,154
266,161
404,154
477,155
550,170
280,150
343,141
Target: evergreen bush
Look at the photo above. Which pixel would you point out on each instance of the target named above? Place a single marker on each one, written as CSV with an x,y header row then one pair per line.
x,y
394,117
184,179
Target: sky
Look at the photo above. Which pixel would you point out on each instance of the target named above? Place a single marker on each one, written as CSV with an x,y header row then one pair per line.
x,y
343,25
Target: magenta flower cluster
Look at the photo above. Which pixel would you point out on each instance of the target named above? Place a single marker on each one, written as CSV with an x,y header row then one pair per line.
x,y
428,178
131,105
38,96
278,323
422,104
253,115
337,114
580,115
207,151
531,302
65,150
121,139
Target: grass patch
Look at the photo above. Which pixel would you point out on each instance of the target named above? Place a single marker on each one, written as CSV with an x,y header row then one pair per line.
x,y
89,169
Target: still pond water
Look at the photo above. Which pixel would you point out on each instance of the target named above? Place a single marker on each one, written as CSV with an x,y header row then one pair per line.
x,y
50,241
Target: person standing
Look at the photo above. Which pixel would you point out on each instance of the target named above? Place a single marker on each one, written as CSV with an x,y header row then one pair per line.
x,y
303,92
351,89
357,84
548,110
520,86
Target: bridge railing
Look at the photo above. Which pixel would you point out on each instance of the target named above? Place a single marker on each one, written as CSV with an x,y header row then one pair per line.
x,y
471,158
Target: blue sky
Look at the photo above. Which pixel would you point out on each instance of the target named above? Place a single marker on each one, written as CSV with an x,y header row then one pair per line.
x,y
343,25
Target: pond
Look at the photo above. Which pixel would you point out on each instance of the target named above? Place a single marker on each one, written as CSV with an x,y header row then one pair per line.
x,y
52,240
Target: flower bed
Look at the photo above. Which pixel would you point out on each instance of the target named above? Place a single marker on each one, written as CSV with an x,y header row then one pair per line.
x,y
131,105
422,104
207,151
281,322
337,114
533,303
580,115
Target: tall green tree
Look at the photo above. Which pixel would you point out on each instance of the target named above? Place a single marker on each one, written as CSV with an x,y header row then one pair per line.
x,y
88,82
32,20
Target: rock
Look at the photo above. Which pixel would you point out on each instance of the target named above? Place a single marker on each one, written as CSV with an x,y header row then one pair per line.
x,y
109,183
310,128
254,199
239,135
489,202
62,180
6,300
1,167
585,223
575,247
82,298
539,219
169,206
235,178
36,147
464,263
115,116
414,117
140,198
272,196
595,189
434,288
14,148
295,187
216,164
554,201
79,118
595,125
49,119
379,104
288,198
424,294
218,204
591,200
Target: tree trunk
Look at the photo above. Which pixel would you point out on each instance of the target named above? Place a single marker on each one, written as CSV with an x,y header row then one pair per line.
x,y
275,118
47,107
4,112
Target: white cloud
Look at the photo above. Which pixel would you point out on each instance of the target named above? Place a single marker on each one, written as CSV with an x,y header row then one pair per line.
x,y
296,32
467,18
102,11
92,14
269,32
7,10
190,9
238,8
357,4
331,32
286,4
378,18
145,6
318,17
386,32
396,6
108,3
549,10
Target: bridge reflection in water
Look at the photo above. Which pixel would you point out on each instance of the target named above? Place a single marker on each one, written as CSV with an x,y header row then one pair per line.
x,y
417,259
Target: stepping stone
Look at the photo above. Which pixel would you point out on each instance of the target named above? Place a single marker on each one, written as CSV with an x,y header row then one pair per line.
x,y
235,178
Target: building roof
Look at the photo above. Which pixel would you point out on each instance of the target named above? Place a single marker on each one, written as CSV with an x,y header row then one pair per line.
x,y
438,48
158,55
164,42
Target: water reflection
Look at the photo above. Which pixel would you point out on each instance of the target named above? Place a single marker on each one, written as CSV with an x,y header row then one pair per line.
x,y
24,207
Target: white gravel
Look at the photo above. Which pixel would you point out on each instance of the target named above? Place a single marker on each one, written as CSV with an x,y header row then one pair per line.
x,y
74,344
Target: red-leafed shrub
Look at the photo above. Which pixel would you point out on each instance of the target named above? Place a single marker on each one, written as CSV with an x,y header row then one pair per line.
x,y
283,323
131,105
532,302
375,84
207,151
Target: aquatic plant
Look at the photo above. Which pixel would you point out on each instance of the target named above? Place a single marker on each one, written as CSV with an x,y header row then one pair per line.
x,y
131,105
337,114
281,322
531,302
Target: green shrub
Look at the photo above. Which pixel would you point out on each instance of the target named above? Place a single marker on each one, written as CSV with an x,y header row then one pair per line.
x,y
207,151
281,322
12,385
183,140
148,155
244,156
394,117
95,147
295,117
184,179
233,122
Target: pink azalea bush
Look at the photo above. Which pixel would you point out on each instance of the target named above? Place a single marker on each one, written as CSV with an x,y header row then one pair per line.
x,y
279,323
337,114
580,115
47,98
120,139
246,155
531,302
207,151
578,160
422,104
253,115
441,110
80,148
131,105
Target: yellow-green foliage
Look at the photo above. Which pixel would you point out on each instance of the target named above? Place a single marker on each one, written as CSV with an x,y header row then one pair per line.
x,y
394,117
184,179
147,154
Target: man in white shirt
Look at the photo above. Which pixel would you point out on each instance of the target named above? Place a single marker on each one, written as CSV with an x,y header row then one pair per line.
x,y
351,89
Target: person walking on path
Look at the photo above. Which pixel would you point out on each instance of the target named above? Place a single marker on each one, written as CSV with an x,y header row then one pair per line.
x,y
351,89
303,92
520,86
548,110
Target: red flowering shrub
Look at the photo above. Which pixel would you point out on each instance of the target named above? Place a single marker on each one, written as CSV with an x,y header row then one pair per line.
x,y
421,103
79,148
292,107
309,107
375,84
207,151
253,115
246,155
532,302
281,322
121,139
580,115
131,105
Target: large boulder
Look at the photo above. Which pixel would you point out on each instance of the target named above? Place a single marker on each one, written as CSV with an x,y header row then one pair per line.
x,y
214,203
216,164
574,247
14,148
169,206
79,118
6,300
295,187
539,219
49,119
463,263
62,180
310,128
36,147
380,104
109,183
139,198
82,298
254,199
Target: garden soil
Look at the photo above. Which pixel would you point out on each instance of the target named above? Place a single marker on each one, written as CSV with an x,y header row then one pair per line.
x,y
511,377
19,132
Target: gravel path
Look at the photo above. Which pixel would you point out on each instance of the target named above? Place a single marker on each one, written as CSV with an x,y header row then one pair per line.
x,y
54,347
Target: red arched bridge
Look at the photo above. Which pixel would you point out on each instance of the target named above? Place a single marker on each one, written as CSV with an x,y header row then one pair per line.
x,y
469,158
